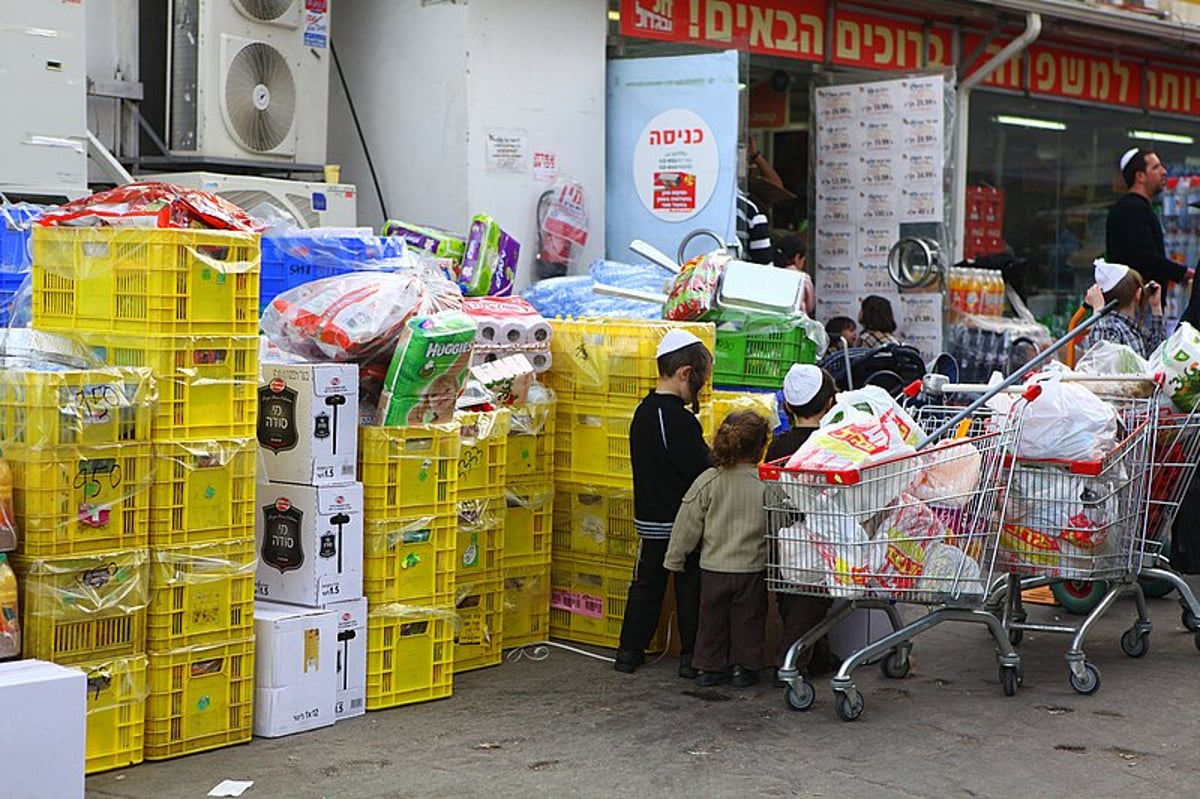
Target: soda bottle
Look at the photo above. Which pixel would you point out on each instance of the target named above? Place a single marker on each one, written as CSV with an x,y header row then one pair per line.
x,y
10,617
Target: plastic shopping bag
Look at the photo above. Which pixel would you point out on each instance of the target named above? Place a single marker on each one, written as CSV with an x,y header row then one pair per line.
x,y
873,402
1179,359
1067,422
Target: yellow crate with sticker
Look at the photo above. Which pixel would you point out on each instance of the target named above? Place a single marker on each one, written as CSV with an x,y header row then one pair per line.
x,y
594,522
410,561
526,605
410,655
531,444
408,471
82,500
116,712
201,594
483,456
587,602
145,281
201,698
84,608
594,359
478,641
528,527
479,546
48,407
203,491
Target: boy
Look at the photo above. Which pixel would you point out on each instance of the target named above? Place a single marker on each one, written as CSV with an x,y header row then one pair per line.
x,y
667,452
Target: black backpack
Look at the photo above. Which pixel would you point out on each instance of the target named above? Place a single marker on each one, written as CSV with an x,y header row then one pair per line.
x,y
890,366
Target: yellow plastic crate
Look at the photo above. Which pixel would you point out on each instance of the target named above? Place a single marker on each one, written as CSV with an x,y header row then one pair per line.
x,y
599,359
410,653
765,404
592,444
75,406
594,522
587,602
81,609
116,712
408,471
478,641
410,561
201,594
79,500
483,456
207,386
203,491
479,546
528,528
531,444
145,281
201,698
526,605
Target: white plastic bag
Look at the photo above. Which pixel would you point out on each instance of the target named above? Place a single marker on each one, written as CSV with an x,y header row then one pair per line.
x,y
1179,359
872,401
1109,358
1067,422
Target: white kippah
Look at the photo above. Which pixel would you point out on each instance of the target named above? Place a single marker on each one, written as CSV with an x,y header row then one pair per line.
x,y
675,340
1108,275
802,383
1128,156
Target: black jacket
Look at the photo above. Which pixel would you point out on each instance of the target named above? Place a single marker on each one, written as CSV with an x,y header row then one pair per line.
x,y
1133,236
667,452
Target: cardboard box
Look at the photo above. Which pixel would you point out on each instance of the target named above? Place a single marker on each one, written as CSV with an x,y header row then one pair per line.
x,y
308,422
295,669
310,543
351,657
43,727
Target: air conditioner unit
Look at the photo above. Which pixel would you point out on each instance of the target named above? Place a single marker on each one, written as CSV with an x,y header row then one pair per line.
x,y
310,204
248,80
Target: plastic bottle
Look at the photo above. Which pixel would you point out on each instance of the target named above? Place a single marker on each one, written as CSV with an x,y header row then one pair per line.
x,y
974,301
8,518
10,616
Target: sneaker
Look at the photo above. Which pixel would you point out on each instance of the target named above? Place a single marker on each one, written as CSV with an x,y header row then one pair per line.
x,y
628,660
742,677
686,670
707,679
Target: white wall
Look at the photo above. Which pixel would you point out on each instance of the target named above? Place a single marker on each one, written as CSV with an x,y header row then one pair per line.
x,y
429,81
112,54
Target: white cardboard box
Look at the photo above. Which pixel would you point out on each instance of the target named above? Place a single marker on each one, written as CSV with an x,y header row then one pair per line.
x,y
308,422
351,657
43,724
310,543
295,669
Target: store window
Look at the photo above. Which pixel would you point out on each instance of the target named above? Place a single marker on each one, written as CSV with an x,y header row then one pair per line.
x,y
1056,165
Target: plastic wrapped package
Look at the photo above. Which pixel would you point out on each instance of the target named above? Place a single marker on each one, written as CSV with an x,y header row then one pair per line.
x,y
489,264
10,611
573,296
427,370
1179,360
950,476
641,277
1110,358
152,204
948,569
438,242
693,293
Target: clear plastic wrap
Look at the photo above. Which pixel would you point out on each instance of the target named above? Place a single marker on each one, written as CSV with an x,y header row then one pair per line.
x,y
115,683
573,296
430,363
74,589
201,594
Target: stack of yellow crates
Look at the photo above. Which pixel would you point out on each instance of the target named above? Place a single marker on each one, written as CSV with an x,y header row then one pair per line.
x,y
601,369
184,304
527,526
78,444
482,508
410,513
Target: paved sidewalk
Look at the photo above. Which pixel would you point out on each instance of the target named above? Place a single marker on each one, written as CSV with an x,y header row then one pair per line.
x,y
570,725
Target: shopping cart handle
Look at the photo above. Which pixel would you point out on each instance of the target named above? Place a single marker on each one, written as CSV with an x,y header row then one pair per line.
x,y
1032,392
913,389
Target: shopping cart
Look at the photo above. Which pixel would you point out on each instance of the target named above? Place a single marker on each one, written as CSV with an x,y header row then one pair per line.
x,y
920,528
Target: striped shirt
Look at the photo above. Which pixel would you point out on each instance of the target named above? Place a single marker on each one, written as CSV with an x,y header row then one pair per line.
x,y
753,232
1120,329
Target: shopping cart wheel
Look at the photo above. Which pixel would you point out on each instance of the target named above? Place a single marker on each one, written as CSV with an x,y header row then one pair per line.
x,y
801,696
1190,621
1010,680
849,705
1135,644
895,665
1016,636
1079,597
1089,683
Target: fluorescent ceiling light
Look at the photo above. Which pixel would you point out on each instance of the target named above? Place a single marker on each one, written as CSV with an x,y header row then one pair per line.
x,y
614,15
1156,135
1030,122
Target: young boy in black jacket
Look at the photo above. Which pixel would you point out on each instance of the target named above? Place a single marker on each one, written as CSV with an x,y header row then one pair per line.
x,y
667,452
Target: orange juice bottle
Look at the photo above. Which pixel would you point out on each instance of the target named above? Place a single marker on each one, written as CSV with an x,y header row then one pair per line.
x,y
958,289
998,294
10,617
974,303
8,517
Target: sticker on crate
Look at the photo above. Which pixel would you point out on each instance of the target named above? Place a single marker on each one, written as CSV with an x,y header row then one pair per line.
x,y
308,422
577,603
310,543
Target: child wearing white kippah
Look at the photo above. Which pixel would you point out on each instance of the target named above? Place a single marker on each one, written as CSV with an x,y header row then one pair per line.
x,y
1137,320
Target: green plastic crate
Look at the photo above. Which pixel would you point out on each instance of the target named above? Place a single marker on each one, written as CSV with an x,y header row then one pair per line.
x,y
760,353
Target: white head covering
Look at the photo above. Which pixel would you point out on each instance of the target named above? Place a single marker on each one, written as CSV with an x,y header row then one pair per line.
x,y
802,383
1127,156
675,340
1108,275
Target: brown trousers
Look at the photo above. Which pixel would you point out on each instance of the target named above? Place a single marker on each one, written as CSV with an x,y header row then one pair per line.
x,y
800,614
733,618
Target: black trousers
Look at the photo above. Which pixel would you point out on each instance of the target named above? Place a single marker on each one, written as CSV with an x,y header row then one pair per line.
x,y
733,617
646,593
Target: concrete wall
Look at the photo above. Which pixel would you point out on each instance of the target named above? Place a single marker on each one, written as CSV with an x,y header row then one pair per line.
x,y
429,81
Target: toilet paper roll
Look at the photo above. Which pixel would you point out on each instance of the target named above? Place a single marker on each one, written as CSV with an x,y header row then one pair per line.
x,y
539,332
489,330
540,360
513,332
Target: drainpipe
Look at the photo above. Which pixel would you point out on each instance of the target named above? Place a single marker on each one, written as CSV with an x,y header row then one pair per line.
x,y
1033,29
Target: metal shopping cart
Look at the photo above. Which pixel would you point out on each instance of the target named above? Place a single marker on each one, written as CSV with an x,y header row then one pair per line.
x,y
920,528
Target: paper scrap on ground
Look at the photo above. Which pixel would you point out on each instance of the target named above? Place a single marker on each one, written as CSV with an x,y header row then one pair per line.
x,y
231,788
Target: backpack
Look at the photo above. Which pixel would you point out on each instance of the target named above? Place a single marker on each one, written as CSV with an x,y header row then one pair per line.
x,y
890,366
